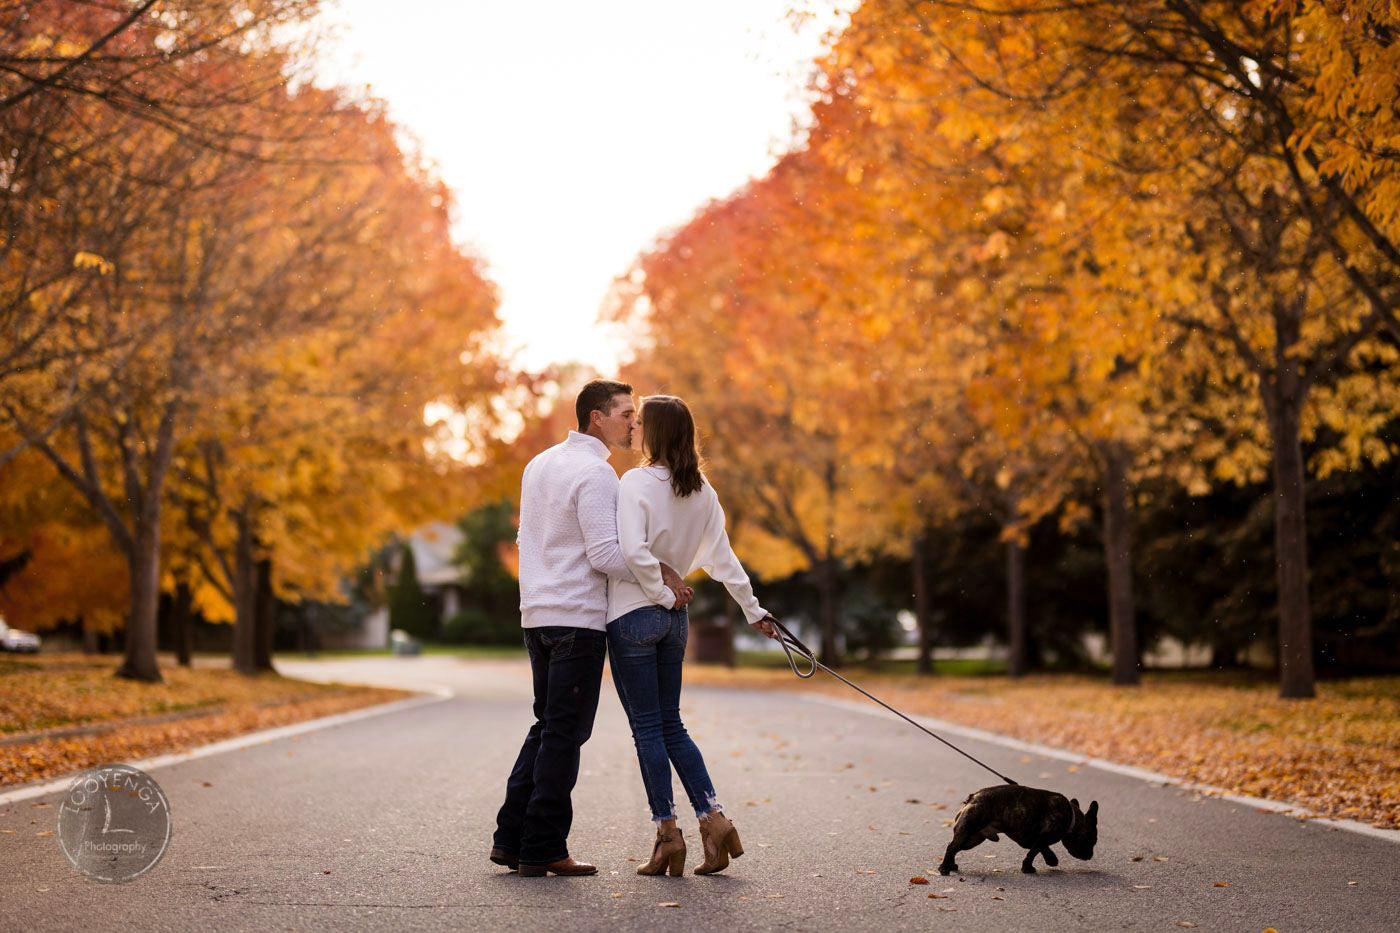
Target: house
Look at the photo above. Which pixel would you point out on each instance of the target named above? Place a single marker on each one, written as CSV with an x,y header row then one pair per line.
x,y
434,546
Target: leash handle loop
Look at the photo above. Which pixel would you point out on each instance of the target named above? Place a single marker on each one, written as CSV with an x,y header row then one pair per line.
x,y
792,645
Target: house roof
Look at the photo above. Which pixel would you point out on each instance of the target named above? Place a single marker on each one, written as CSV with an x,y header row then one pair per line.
x,y
434,546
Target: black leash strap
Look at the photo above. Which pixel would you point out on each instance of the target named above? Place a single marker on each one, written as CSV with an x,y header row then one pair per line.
x,y
792,645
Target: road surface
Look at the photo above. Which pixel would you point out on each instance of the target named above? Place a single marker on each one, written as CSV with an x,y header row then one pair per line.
x,y
384,823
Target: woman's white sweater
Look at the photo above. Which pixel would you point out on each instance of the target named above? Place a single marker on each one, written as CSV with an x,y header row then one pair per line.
x,y
655,526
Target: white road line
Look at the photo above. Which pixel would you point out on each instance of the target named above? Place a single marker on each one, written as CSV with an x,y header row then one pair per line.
x,y
1142,774
435,693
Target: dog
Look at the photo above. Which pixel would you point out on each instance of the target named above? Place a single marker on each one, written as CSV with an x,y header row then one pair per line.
x,y
1035,819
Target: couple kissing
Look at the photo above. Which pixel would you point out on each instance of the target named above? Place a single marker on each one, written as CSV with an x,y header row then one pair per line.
x,y
602,567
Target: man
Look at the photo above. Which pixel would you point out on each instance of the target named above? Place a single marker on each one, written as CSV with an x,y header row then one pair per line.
x,y
568,549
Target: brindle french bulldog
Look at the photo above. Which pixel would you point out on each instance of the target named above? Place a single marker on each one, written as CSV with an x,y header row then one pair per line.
x,y
1035,819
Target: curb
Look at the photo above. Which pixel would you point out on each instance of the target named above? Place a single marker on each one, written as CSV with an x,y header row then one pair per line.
x,y
1113,767
433,694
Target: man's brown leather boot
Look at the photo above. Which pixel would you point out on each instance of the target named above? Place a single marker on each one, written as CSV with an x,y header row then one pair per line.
x,y
502,857
565,866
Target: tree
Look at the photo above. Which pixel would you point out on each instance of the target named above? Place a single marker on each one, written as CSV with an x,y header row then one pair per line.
x,y
78,83
1221,131
408,608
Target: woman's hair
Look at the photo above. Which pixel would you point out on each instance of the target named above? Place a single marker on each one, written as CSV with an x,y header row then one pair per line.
x,y
668,438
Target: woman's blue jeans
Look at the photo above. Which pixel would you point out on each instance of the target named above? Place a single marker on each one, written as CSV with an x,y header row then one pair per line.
x,y
646,650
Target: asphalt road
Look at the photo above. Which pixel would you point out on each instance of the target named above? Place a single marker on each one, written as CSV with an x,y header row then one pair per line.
x,y
385,823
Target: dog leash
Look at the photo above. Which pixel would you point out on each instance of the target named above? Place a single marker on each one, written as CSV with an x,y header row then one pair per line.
x,y
792,645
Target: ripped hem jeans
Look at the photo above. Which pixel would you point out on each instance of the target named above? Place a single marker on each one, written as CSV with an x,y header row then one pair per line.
x,y
646,651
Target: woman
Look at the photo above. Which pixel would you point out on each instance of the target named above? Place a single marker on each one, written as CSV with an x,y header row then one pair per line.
x,y
667,512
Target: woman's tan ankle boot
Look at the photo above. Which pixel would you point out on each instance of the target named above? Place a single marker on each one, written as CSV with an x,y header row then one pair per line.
x,y
721,842
668,853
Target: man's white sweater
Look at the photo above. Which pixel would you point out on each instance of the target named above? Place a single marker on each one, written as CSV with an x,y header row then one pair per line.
x,y
656,526
568,535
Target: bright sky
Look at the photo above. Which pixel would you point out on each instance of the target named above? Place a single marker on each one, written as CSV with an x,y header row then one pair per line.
x,y
574,134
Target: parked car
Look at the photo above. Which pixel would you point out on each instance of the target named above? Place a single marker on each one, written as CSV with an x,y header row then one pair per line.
x,y
402,644
12,639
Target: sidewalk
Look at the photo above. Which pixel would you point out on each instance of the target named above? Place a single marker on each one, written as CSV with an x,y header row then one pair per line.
x,y
64,713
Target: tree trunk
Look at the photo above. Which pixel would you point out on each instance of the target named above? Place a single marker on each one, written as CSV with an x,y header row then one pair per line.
x,y
1017,662
182,618
1295,650
918,563
244,598
143,565
91,643
826,587
732,620
1224,656
828,572
1117,540
265,609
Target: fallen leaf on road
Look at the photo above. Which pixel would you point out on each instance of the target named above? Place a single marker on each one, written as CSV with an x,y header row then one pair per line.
x,y
617,894
669,904
1072,768
207,784
1222,884
912,800
47,832
949,909
937,895
326,872
41,806
918,879
1185,923
1353,883
1159,858
998,897
865,871
1136,858
9,831
1141,887
775,895
41,890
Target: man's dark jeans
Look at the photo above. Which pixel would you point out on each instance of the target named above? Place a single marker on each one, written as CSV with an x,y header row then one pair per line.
x,y
567,664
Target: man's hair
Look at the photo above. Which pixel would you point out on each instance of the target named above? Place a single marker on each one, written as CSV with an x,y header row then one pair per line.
x,y
598,396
